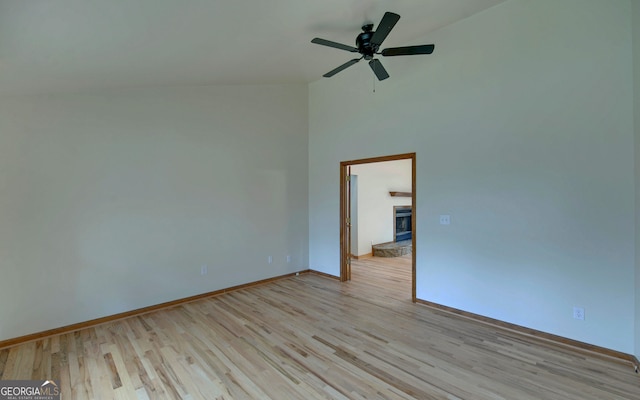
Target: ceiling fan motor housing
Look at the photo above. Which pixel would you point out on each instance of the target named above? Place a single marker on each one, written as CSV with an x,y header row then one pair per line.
x,y
363,41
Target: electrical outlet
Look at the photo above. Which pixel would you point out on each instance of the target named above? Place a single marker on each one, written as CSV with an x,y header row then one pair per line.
x,y
270,260
578,313
288,259
204,270
445,219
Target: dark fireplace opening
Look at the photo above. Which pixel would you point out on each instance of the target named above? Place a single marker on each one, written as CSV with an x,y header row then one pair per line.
x,y
402,224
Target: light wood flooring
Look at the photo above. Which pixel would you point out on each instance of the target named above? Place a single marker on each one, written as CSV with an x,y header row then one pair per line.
x,y
311,337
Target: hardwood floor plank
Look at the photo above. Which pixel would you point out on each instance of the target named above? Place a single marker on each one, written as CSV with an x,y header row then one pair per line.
x,y
310,337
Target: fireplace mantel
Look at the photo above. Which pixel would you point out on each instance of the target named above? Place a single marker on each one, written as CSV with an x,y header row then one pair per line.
x,y
400,194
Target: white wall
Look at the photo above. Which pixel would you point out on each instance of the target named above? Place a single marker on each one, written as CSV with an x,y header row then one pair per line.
x,y
522,122
375,205
636,69
111,202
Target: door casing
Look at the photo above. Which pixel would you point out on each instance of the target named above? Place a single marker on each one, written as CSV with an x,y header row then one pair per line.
x,y
345,233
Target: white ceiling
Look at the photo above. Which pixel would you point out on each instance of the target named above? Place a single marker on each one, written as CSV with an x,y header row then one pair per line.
x,y
84,45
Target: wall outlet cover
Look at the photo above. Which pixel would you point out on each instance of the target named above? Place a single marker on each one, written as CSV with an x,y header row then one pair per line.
x,y
578,313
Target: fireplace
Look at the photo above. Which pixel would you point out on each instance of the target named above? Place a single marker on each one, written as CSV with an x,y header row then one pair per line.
x,y
402,227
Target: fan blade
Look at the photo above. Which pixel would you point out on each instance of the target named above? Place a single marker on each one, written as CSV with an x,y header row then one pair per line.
x,y
387,23
408,50
336,45
378,69
340,68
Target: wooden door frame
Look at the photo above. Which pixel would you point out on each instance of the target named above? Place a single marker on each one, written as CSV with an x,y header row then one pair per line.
x,y
344,257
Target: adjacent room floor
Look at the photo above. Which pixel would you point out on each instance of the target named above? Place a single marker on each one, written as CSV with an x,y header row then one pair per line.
x,y
311,337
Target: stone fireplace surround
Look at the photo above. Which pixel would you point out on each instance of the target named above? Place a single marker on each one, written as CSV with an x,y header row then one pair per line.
x,y
402,235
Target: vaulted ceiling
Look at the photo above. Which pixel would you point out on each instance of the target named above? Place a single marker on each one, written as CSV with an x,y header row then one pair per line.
x,y
80,45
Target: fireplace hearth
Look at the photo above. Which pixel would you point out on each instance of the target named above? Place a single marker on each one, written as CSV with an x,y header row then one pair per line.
x,y
402,235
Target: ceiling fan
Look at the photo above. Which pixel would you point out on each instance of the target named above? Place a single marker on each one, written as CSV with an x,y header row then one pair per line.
x,y
369,42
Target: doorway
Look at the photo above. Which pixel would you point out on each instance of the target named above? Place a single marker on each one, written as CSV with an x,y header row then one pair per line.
x,y
346,217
